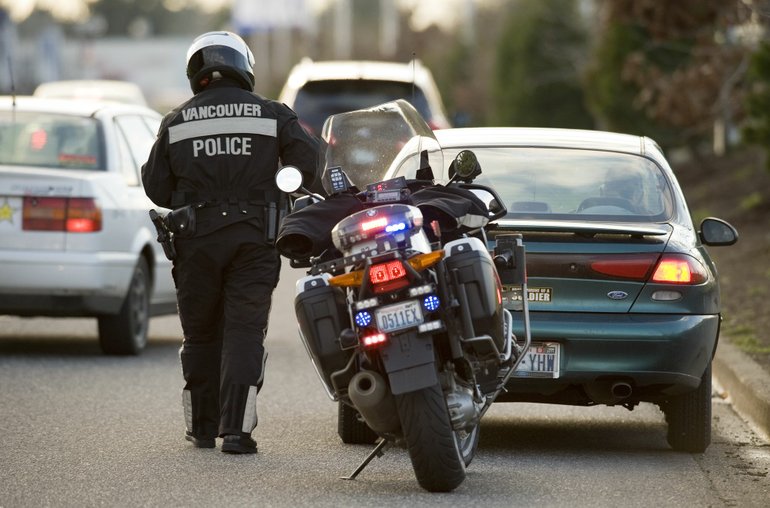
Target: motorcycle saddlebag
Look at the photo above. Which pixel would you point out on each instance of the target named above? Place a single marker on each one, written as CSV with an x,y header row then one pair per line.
x,y
477,274
321,313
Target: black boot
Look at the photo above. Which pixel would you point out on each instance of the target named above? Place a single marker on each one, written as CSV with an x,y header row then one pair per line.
x,y
239,444
200,442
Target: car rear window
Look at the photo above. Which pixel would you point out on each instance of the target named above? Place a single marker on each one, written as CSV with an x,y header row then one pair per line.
x,y
570,184
318,100
50,140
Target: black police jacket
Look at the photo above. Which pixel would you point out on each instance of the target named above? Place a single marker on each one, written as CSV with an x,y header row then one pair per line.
x,y
220,151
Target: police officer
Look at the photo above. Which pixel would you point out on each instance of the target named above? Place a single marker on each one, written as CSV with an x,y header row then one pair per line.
x,y
213,164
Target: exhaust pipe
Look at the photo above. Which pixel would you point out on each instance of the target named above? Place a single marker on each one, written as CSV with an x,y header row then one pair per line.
x,y
621,390
372,398
609,393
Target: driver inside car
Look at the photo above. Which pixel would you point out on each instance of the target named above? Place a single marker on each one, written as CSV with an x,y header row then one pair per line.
x,y
628,187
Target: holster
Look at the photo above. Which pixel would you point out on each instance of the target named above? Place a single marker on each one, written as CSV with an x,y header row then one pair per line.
x,y
165,237
182,221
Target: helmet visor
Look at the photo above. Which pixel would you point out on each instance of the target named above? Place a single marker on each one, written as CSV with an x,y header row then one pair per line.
x,y
216,57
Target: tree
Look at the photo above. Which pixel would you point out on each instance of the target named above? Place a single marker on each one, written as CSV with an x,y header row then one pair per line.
x,y
540,56
757,129
668,69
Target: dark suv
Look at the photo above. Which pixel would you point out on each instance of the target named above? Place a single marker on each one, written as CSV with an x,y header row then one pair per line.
x,y
316,90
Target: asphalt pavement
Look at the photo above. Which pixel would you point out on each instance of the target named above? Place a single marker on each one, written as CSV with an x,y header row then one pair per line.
x,y
745,383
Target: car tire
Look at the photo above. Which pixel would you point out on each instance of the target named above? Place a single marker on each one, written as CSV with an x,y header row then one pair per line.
x,y
125,333
351,428
689,418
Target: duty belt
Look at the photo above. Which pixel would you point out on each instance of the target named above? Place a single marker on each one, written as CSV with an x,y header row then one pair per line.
x,y
205,212
225,199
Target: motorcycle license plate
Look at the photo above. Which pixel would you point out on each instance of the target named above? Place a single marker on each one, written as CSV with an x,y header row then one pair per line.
x,y
540,361
399,316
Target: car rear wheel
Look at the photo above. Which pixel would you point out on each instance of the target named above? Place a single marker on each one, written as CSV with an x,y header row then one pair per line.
x,y
689,418
125,333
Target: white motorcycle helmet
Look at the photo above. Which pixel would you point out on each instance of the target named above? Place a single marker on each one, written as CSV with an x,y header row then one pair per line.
x,y
223,52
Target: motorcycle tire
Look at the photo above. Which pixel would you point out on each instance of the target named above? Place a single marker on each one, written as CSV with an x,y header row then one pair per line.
x,y
432,443
467,442
351,427
689,418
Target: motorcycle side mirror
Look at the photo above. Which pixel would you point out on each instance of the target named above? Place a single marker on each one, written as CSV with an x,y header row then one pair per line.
x,y
289,179
491,201
465,167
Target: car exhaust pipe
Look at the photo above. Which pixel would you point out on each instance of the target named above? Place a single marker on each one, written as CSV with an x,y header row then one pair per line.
x,y
608,392
621,390
372,398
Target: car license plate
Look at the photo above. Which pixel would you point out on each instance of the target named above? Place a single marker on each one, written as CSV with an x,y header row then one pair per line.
x,y
540,361
399,316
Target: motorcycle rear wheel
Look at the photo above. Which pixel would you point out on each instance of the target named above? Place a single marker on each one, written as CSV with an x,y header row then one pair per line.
x,y
434,448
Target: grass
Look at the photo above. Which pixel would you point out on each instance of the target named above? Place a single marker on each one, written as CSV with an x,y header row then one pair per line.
x,y
745,338
751,201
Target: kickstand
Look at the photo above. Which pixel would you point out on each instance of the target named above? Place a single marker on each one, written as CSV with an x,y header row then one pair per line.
x,y
377,452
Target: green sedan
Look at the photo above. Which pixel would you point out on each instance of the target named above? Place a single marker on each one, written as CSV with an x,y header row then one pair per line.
x,y
623,296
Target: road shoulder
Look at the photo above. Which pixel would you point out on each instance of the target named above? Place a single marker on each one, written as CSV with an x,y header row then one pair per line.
x,y
746,384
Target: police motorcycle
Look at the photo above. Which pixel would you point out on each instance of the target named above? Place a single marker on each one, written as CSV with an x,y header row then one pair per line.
x,y
401,308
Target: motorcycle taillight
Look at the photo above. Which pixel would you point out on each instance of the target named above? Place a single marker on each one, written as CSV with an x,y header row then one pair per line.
x,y
374,340
388,276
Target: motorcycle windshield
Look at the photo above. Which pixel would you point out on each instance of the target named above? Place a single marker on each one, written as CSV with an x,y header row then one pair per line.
x,y
368,143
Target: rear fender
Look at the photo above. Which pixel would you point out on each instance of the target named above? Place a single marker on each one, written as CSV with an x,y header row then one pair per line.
x,y
410,362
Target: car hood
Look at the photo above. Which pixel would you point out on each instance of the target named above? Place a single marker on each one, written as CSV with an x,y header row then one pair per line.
x,y
572,266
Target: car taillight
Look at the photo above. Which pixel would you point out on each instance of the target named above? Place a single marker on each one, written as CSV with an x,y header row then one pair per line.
x,y
72,215
388,276
635,266
679,269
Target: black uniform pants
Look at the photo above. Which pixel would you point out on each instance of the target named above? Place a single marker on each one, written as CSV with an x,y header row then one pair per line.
x,y
224,282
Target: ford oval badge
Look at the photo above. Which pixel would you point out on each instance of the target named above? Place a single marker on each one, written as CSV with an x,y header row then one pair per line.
x,y
617,295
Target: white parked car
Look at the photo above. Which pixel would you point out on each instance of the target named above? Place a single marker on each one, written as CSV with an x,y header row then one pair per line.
x,y
317,90
77,240
92,89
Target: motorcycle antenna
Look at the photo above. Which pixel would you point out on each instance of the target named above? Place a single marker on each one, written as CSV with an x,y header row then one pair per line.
x,y
13,88
414,74
10,75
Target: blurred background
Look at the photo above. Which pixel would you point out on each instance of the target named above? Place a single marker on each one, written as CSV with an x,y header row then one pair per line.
x,y
692,74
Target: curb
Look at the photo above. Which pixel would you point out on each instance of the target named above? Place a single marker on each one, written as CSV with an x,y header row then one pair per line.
x,y
746,383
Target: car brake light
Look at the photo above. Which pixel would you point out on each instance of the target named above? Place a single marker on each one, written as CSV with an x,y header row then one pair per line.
x,y
679,269
72,215
38,140
83,216
635,266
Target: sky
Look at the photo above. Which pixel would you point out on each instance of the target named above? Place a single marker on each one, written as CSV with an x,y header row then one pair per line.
x,y
445,13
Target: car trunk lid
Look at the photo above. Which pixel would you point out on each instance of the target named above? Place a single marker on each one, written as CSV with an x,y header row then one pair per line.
x,y
39,206
586,267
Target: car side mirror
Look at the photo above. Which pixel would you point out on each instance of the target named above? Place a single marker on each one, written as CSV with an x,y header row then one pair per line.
x,y
717,232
